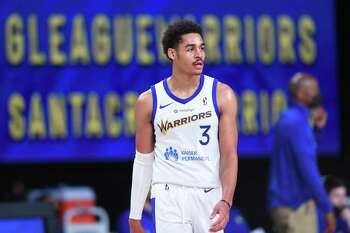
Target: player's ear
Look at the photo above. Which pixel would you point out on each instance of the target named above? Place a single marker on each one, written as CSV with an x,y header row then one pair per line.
x,y
171,53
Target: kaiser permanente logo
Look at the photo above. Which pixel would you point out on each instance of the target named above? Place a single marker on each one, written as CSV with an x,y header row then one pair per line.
x,y
165,126
187,155
171,154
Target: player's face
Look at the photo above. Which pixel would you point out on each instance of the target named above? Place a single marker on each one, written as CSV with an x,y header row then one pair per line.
x,y
189,55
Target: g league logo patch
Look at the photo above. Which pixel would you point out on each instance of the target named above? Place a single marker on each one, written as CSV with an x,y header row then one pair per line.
x,y
205,101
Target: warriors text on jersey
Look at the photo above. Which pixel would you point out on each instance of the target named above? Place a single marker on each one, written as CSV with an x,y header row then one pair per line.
x,y
186,136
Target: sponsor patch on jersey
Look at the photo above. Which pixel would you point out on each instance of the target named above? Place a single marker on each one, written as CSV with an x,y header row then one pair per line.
x,y
184,110
188,158
171,154
192,155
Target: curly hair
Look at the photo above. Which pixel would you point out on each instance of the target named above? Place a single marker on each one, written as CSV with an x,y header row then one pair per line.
x,y
172,36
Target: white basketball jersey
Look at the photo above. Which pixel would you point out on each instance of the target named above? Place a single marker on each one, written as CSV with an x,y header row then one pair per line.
x,y
186,136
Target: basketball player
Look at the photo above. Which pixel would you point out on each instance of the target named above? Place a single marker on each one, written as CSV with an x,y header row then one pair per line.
x,y
186,142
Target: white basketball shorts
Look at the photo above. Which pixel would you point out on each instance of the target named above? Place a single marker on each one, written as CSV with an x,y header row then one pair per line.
x,y
181,209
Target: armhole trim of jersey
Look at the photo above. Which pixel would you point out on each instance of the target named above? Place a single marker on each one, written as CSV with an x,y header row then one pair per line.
x,y
154,98
215,83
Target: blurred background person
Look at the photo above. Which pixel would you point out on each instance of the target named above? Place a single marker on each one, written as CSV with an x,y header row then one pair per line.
x,y
295,182
16,191
237,223
122,224
337,193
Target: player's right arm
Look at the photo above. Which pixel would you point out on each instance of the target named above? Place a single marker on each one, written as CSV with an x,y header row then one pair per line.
x,y
144,127
143,162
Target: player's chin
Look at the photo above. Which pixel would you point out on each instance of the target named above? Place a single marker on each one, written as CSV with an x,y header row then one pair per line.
x,y
198,71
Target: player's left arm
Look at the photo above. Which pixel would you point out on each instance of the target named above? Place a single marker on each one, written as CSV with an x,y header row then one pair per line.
x,y
227,104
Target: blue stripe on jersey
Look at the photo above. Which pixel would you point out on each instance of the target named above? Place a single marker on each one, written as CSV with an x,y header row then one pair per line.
x,y
154,97
153,203
215,83
183,101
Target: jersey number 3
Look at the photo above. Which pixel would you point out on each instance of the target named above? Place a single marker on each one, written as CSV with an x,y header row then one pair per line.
x,y
205,140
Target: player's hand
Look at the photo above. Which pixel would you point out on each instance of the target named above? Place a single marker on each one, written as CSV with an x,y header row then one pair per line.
x,y
220,215
135,226
331,223
319,116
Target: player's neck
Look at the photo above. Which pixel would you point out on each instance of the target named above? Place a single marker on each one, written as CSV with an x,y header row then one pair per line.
x,y
183,82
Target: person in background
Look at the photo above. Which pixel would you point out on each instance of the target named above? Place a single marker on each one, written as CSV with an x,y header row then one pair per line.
x,y
16,192
237,223
295,185
122,225
337,193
